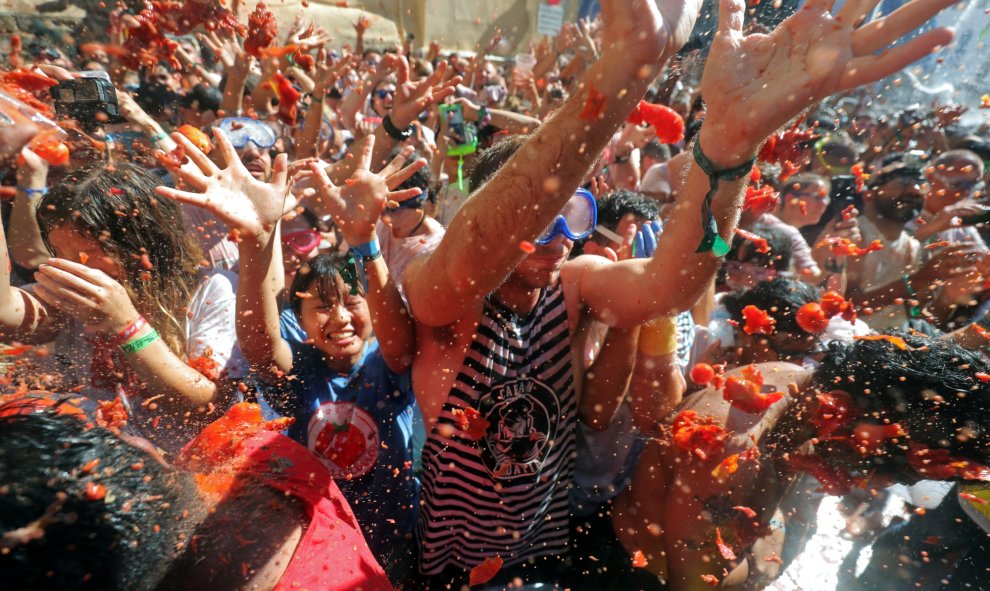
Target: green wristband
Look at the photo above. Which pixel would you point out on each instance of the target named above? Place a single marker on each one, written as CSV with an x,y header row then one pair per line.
x,y
158,137
135,345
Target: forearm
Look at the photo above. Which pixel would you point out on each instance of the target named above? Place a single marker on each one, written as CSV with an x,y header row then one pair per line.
x,y
302,78
513,122
259,283
482,244
351,105
183,387
391,321
233,91
309,142
607,380
27,248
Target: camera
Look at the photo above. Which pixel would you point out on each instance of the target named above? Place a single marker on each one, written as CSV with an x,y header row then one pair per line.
x,y
90,99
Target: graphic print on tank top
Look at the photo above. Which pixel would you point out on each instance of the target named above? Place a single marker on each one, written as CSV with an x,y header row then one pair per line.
x,y
504,493
345,437
523,415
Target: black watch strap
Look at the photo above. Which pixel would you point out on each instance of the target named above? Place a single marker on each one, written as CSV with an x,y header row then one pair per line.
x,y
394,132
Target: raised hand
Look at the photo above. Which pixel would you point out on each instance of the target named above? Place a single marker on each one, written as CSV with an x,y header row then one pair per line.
x,y
251,206
227,48
644,29
412,98
328,71
755,84
357,206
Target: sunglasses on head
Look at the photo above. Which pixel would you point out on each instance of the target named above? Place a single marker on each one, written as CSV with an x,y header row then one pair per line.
x,y
302,242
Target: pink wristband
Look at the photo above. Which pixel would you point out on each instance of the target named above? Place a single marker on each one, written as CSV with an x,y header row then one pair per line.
x,y
131,330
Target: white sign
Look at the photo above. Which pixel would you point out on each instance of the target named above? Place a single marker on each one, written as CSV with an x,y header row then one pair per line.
x,y
549,19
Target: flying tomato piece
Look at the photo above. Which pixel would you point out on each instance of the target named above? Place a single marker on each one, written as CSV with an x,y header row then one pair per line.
x,y
485,571
811,318
698,435
724,549
288,98
669,125
762,246
197,137
895,341
835,411
745,395
757,321
761,200
702,374
639,559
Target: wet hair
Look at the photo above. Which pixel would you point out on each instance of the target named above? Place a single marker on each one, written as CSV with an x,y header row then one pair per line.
x,y
614,206
780,297
490,160
330,272
117,206
203,97
929,389
421,179
124,540
778,258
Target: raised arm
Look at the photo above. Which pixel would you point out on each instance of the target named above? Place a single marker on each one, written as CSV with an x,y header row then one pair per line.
x,y
254,209
753,85
356,209
481,246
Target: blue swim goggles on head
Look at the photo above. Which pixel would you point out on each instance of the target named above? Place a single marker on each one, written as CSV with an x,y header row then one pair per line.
x,y
241,130
576,221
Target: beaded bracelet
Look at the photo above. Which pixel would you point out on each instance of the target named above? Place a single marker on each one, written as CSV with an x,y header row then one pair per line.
x,y
140,343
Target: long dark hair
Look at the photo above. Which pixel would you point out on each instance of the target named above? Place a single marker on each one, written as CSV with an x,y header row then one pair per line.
x,y
116,205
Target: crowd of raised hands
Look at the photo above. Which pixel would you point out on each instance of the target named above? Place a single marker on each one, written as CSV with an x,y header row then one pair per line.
x,y
604,315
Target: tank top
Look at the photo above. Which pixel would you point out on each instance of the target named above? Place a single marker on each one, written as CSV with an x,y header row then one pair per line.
x,y
504,493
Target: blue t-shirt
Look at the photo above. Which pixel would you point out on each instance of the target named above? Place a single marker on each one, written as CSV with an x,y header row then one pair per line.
x,y
360,423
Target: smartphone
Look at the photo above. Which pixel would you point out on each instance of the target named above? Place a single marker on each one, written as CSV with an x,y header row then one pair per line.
x,y
461,135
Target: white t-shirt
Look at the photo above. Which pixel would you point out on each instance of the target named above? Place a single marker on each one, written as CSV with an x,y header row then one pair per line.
x,y
209,324
399,252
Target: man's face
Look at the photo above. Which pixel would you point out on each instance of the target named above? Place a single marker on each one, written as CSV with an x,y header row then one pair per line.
x,y
952,181
542,268
809,200
900,200
257,161
382,99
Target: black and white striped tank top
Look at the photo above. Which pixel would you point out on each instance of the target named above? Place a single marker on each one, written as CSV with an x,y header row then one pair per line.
x,y
504,494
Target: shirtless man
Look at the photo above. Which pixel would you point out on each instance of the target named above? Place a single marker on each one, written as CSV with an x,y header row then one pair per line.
x,y
872,414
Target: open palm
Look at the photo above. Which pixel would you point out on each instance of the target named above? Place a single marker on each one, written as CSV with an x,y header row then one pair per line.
x,y
757,83
232,194
357,205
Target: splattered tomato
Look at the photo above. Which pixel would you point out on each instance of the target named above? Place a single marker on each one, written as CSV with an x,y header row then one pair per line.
x,y
594,106
197,137
111,413
698,435
288,98
757,321
669,125
471,423
744,394
702,374
811,318
834,412
762,246
833,480
262,30
723,548
761,200
220,441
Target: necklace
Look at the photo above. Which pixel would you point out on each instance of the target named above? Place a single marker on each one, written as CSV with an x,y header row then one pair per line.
x,y
417,226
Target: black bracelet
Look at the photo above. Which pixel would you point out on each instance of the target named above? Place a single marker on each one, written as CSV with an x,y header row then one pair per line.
x,y
712,241
621,160
394,132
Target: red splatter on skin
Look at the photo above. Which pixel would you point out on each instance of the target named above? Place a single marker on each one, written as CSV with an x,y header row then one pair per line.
x,y
94,491
702,374
205,365
761,200
470,421
723,548
288,98
262,30
111,414
762,246
937,464
639,559
594,106
710,579
668,124
870,437
757,321
811,318
50,148
698,435
527,247
485,571
743,392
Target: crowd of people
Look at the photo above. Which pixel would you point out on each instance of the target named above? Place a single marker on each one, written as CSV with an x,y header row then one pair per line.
x,y
285,314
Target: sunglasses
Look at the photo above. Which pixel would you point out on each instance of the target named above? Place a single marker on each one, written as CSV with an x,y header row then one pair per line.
x,y
383,94
302,242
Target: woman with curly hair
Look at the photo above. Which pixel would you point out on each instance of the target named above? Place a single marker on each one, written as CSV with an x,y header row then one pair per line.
x,y
127,303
